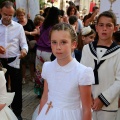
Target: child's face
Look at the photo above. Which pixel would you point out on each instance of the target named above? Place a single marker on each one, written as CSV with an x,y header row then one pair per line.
x,y
72,12
105,28
41,22
61,44
88,39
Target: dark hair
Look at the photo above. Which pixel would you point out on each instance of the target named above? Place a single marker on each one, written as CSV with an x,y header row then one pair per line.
x,y
94,8
62,12
72,19
108,14
116,36
52,17
46,10
7,4
70,8
65,27
87,17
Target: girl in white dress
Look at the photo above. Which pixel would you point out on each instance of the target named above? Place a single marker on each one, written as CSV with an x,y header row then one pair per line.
x,y
5,100
67,83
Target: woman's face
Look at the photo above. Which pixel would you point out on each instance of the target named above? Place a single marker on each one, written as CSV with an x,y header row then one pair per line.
x,y
21,17
72,12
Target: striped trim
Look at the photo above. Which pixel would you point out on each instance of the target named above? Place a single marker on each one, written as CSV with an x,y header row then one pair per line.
x,y
111,50
102,98
93,49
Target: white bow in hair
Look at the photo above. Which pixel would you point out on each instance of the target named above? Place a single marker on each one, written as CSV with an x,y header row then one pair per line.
x,y
86,30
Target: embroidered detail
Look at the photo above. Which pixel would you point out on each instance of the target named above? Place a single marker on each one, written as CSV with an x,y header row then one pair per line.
x,y
111,50
103,99
93,50
49,106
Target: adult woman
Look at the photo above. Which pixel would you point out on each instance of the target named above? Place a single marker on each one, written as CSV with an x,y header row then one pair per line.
x,y
44,46
72,10
30,31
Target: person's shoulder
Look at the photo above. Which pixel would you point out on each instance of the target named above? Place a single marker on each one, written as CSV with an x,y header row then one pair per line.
x,y
79,21
16,24
30,21
82,68
49,63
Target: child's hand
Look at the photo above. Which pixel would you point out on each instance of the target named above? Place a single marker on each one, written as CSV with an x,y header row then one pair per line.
x,y
119,103
2,50
2,106
92,101
97,105
23,53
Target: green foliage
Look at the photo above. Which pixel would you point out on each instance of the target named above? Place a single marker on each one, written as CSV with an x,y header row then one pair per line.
x,y
42,3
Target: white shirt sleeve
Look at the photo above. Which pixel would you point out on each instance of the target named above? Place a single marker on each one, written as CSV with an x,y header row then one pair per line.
x,y
87,77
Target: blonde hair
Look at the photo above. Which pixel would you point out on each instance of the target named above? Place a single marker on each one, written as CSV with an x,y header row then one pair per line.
x,y
65,27
19,11
37,19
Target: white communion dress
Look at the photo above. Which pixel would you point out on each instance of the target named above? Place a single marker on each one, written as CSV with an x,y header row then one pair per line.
x,y
5,98
63,85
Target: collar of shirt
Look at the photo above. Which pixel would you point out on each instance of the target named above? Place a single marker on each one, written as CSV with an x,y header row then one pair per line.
x,y
66,68
12,23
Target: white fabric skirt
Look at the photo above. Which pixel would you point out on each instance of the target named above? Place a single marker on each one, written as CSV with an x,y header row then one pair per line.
x,y
59,114
35,114
7,114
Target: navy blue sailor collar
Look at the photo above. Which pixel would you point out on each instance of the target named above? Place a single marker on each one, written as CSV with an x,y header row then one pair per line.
x,y
112,50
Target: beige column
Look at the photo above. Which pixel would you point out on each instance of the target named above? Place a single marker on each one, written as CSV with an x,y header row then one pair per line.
x,y
63,5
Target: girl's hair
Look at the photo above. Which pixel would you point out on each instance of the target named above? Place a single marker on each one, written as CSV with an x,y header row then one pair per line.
x,y
52,17
64,27
86,31
70,8
20,10
37,19
108,14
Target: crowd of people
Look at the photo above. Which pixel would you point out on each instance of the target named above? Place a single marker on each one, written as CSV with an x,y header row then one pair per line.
x,y
73,62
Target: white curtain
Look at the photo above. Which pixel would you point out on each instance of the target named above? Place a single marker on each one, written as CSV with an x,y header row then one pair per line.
x,y
30,6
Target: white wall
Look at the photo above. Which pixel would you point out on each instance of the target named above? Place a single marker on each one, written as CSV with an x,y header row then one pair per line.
x,y
32,7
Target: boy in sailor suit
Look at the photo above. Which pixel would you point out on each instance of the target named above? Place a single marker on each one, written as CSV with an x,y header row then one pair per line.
x,y
103,55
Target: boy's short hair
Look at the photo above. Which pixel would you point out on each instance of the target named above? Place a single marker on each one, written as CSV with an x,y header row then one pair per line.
x,y
73,19
108,14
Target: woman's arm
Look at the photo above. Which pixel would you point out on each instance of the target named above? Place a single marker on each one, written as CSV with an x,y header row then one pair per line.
x,y
87,22
85,93
33,33
44,96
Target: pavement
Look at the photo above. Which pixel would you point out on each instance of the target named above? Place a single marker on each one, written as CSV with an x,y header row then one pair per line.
x,y
30,99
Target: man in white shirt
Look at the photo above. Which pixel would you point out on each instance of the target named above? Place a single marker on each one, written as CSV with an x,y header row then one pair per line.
x,y
13,46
